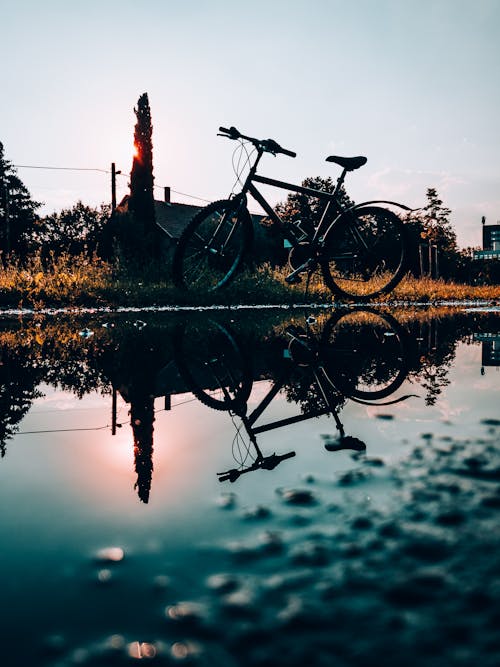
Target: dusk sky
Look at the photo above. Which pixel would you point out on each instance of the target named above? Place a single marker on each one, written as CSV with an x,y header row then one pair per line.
x,y
411,84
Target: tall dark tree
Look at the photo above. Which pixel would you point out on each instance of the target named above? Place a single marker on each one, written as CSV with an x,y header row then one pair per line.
x,y
141,203
17,210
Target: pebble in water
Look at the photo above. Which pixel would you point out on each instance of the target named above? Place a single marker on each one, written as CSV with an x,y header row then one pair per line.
x,y
257,513
227,501
222,583
104,576
140,650
187,613
298,496
240,603
188,651
110,554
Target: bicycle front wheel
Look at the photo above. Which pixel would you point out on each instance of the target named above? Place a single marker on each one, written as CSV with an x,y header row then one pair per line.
x,y
364,253
212,247
214,366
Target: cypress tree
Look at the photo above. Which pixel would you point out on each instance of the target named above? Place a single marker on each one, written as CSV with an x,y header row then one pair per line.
x,y
141,203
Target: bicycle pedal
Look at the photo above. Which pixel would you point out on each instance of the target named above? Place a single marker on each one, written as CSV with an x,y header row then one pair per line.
x,y
293,280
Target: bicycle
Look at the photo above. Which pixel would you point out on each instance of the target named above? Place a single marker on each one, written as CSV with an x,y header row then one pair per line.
x,y
359,355
360,249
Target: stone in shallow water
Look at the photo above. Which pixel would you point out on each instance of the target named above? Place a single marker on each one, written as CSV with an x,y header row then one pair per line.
x,y
141,650
104,576
222,583
227,501
298,497
362,523
310,552
187,613
110,554
256,513
241,603
451,517
186,651
352,477
427,548
421,587
271,542
490,422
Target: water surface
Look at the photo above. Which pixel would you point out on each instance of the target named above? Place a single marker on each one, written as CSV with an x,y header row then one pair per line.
x,y
375,533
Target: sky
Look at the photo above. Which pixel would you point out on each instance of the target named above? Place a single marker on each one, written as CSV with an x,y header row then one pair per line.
x,y
410,84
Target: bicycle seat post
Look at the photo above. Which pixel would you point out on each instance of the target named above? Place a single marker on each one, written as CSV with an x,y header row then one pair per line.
x,y
340,180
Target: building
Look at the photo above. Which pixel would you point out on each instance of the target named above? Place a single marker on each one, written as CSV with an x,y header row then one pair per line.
x,y
491,242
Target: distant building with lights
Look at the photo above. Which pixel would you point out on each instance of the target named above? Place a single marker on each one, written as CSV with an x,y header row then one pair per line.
x,y
491,242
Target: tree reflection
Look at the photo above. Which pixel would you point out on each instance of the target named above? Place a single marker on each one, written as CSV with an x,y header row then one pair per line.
x,y
359,355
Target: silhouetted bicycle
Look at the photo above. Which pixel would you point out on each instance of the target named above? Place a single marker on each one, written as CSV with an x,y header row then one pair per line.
x,y
360,249
358,355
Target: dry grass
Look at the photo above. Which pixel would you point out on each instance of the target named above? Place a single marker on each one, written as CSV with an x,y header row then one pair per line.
x,y
80,281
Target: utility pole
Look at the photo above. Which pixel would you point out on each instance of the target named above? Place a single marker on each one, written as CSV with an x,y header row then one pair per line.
x,y
113,185
421,258
7,216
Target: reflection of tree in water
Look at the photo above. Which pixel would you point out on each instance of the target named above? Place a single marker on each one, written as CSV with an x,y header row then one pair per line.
x,y
131,359
18,382
142,418
432,354
301,388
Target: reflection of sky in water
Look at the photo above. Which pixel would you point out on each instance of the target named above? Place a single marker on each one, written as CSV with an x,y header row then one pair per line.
x,y
66,494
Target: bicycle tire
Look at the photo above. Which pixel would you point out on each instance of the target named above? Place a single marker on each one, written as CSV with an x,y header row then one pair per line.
x,y
214,367
213,245
365,353
364,253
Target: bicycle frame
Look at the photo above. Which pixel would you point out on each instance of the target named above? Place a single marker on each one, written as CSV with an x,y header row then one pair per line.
x,y
330,197
328,218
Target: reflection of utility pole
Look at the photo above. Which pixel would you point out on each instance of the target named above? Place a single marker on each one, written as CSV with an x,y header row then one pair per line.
x,y
113,412
113,185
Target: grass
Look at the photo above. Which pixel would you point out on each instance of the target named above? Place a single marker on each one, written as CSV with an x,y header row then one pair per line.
x,y
80,281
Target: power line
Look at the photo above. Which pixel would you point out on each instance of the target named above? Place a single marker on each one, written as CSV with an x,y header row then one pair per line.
x,y
31,166
103,171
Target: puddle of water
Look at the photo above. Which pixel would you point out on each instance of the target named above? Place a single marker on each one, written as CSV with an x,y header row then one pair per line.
x,y
223,488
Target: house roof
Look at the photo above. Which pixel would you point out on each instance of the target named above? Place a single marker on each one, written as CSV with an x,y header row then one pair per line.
x,y
173,218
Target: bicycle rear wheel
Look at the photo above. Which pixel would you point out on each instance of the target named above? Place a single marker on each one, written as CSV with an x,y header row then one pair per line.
x,y
364,253
213,245
364,352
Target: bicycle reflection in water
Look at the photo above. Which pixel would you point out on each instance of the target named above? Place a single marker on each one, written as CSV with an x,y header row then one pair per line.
x,y
358,355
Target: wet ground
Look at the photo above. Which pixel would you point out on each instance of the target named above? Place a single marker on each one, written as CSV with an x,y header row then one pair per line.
x,y
376,543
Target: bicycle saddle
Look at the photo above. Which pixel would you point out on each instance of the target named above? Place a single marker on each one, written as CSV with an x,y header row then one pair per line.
x,y
348,163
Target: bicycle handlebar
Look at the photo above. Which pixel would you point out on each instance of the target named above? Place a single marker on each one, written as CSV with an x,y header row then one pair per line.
x,y
265,463
267,145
